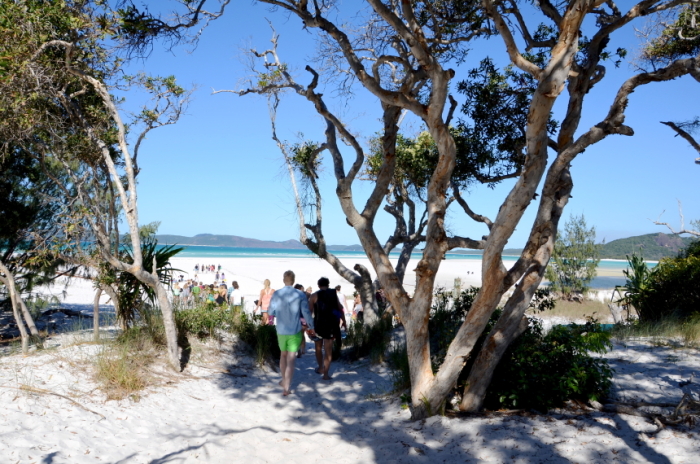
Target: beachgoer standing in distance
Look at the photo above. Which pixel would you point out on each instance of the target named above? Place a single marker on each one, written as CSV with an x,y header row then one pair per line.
x,y
265,297
236,296
288,305
326,307
343,301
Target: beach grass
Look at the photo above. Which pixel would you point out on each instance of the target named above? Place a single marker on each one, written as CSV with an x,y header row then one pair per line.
x,y
122,366
670,331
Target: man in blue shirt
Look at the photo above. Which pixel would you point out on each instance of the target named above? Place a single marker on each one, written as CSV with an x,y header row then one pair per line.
x,y
288,306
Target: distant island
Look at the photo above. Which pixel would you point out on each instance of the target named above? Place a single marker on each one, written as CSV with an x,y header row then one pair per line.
x,y
651,246
234,241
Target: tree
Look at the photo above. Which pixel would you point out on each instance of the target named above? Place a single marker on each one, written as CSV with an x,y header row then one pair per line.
x,y
68,118
672,38
574,259
402,56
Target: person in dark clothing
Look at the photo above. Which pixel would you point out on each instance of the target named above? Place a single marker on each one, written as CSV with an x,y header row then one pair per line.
x,y
325,306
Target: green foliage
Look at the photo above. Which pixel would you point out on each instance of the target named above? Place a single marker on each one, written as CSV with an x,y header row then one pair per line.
x,y
574,259
542,371
416,159
679,39
488,147
537,371
637,282
203,320
372,341
305,158
667,331
273,77
446,316
491,141
132,293
673,288
262,338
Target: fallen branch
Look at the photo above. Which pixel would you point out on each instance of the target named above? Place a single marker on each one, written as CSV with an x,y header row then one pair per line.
x,y
686,410
41,391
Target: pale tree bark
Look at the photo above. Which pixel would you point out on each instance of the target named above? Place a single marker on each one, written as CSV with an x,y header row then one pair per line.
x,y
419,68
96,315
124,184
16,299
682,229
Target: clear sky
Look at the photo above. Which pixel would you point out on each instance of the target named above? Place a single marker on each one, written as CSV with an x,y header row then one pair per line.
x,y
218,171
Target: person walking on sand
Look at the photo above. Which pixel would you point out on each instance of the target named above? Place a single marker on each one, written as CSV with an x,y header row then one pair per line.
x,y
265,297
326,308
288,305
304,325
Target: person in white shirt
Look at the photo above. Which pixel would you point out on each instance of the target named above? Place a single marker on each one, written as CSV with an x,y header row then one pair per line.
x,y
236,296
341,298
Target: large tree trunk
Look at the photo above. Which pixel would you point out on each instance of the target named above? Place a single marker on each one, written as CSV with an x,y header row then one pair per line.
x,y
509,327
169,323
365,288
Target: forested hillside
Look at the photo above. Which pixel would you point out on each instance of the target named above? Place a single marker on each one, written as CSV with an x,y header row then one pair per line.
x,y
651,246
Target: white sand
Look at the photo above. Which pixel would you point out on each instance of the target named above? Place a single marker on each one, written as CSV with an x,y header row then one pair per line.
x,y
251,272
207,416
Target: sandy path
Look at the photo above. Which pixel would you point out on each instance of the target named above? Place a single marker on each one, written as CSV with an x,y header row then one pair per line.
x,y
218,418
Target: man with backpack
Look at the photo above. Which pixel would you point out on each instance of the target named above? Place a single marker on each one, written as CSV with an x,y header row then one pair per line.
x,y
328,313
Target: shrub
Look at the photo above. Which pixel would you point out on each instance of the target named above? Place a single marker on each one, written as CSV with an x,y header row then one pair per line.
x,y
537,371
671,289
372,341
542,371
202,321
261,338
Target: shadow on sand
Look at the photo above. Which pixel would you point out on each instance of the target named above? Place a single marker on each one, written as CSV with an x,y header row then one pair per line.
x,y
352,418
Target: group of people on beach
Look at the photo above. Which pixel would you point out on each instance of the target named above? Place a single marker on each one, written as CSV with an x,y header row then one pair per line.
x,y
191,292
298,313
207,268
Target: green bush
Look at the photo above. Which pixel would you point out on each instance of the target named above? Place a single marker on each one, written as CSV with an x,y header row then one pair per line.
x,y
542,371
673,287
202,321
372,341
261,338
537,371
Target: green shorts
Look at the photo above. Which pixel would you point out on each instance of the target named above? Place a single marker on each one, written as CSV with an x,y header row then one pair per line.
x,y
290,343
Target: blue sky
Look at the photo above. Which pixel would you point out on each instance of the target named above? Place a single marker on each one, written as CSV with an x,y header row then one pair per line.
x,y
218,171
